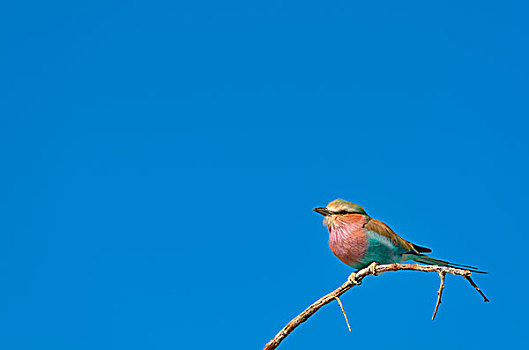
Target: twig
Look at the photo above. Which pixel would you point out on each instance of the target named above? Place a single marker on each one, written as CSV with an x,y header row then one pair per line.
x,y
467,277
344,315
439,293
356,279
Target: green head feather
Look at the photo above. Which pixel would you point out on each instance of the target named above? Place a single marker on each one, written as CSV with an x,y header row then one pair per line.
x,y
340,206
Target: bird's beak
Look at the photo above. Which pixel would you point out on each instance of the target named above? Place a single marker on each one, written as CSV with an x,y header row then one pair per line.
x,y
322,211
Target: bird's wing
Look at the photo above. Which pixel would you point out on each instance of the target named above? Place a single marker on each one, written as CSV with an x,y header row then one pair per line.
x,y
384,230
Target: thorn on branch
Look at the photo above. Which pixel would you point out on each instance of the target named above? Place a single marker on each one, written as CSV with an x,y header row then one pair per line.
x,y
469,279
344,315
439,292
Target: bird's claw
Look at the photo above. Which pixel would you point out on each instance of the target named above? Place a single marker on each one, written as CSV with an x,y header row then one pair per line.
x,y
373,268
352,279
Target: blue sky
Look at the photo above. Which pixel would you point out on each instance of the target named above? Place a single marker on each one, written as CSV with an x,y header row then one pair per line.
x,y
161,160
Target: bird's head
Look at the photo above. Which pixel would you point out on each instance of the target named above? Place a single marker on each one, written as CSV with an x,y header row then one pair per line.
x,y
338,207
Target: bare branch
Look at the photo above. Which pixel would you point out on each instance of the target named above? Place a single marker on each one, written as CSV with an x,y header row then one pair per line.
x,y
356,279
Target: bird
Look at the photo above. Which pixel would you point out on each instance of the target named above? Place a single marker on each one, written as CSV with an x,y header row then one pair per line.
x,y
359,240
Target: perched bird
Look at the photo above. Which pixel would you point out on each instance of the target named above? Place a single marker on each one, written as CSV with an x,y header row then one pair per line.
x,y
359,240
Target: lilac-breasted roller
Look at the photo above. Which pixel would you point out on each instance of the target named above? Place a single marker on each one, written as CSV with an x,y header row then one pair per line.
x,y
358,240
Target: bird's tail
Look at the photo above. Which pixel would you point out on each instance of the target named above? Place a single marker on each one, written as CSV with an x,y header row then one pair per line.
x,y
432,261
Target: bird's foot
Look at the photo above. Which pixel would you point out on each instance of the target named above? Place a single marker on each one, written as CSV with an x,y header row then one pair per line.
x,y
352,279
373,268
